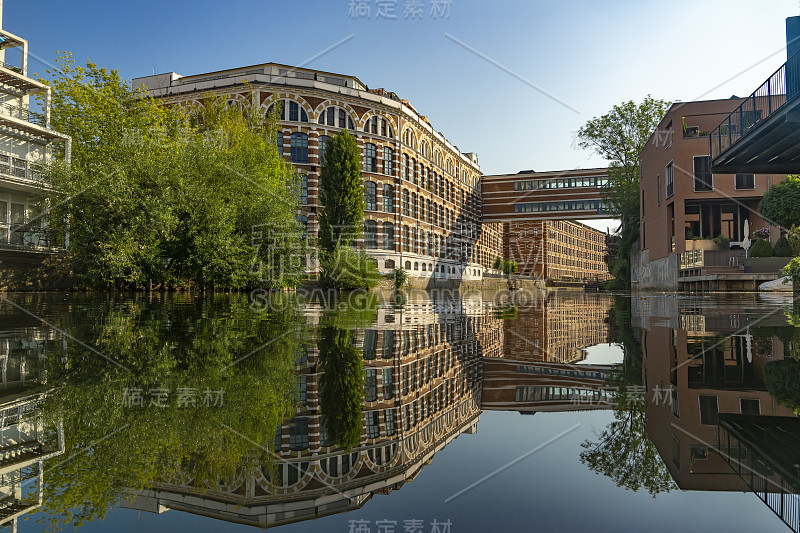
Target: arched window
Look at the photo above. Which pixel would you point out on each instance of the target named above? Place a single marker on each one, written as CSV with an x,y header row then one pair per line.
x,y
296,111
405,202
279,142
299,143
370,234
404,169
406,243
328,117
370,158
388,236
414,169
388,161
415,236
409,138
371,196
322,145
424,149
414,205
386,129
388,198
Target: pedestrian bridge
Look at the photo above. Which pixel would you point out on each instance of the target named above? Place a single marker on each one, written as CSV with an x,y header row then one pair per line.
x,y
531,196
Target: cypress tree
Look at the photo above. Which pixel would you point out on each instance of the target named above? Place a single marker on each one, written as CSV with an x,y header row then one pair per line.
x,y
341,192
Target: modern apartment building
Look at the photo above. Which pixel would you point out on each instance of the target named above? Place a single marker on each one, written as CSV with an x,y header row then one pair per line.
x,y
423,196
26,144
685,206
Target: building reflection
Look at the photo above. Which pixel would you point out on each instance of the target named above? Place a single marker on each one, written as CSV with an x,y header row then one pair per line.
x,y
27,439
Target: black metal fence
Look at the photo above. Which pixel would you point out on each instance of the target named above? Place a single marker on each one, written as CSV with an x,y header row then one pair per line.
x,y
781,87
22,113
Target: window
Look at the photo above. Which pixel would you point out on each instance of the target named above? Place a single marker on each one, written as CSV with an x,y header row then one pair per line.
x,y
279,142
370,234
745,181
371,384
299,150
748,406
371,196
298,434
658,186
404,168
373,427
406,244
388,236
296,112
370,344
388,161
301,182
702,173
322,144
383,127
669,176
405,202
388,199
388,384
709,409
388,416
370,158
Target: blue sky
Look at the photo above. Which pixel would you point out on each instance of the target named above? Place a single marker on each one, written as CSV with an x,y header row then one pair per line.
x,y
586,55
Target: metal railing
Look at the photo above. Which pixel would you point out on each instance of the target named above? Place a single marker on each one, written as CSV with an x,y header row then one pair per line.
x,y
31,237
711,258
21,168
21,113
781,87
10,67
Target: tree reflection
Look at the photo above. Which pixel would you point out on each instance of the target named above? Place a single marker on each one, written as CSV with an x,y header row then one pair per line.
x,y
623,451
214,343
341,382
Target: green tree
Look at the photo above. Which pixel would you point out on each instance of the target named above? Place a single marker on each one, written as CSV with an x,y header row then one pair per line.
x,y
341,396
170,195
348,268
341,193
781,203
782,379
619,136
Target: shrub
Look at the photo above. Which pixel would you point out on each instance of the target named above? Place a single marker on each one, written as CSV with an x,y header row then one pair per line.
x,y
782,379
782,248
794,240
400,277
792,270
781,203
347,268
761,248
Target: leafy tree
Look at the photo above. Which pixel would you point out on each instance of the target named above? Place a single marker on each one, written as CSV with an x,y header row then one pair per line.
x,y
341,383
782,248
618,137
760,248
498,263
781,203
510,267
169,195
341,192
782,379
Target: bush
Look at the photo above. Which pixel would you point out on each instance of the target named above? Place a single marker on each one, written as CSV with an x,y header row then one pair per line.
x,y
794,240
782,248
782,379
761,248
781,203
347,268
400,277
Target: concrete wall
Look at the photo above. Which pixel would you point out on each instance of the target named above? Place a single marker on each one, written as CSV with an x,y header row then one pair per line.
x,y
658,274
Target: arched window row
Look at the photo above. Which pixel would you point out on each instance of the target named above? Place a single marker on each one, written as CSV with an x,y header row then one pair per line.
x,y
377,124
371,235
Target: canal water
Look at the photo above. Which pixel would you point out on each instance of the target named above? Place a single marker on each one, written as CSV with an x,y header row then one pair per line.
x,y
425,412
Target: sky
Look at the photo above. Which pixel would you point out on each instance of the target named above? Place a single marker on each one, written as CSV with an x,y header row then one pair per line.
x,y
511,81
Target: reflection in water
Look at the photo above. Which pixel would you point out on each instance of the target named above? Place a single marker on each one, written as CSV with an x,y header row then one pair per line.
x,y
327,403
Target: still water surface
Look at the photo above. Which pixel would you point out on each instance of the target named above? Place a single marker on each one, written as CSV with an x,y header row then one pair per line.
x,y
440,412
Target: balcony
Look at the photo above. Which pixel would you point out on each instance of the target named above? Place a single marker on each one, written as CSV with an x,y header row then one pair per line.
x,y
32,238
19,112
21,169
762,135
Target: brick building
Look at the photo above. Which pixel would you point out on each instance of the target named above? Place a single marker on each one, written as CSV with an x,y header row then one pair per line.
x,y
422,193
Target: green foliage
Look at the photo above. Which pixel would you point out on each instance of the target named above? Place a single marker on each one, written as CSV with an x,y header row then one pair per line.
x,y
183,342
782,248
510,267
400,277
347,268
341,384
793,235
760,248
618,137
508,312
781,203
498,263
169,195
341,192
723,240
782,379
792,269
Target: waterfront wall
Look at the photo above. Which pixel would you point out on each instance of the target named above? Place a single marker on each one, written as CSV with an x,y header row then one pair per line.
x,y
658,274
